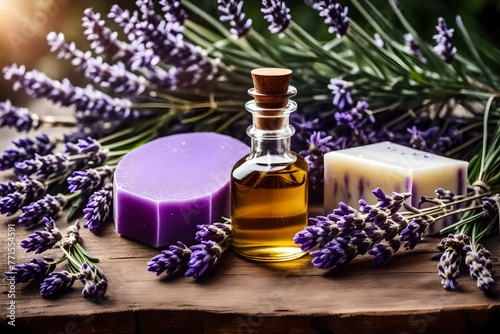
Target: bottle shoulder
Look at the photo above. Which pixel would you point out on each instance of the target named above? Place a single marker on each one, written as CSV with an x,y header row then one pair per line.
x,y
270,164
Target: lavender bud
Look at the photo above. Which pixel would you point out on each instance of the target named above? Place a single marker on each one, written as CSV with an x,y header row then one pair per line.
x,y
448,268
87,101
320,234
480,268
277,14
19,118
85,180
43,166
444,46
203,257
414,48
217,232
48,206
98,207
335,16
21,193
170,260
36,269
56,284
414,232
341,91
173,11
231,11
337,252
40,241
25,149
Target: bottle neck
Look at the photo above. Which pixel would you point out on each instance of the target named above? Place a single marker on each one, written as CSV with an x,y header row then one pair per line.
x,y
271,132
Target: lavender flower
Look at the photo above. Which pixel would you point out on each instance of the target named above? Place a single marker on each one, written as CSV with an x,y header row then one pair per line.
x,y
57,42
356,117
347,232
322,232
337,252
173,11
88,179
203,257
414,232
25,149
419,139
43,166
335,16
448,269
277,14
35,269
128,21
19,194
217,232
56,283
98,207
114,77
383,252
232,12
319,144
444,46
414,48
170,260
480,267
19,118
40,241
87,101
48,206
96,154
95,283
491,206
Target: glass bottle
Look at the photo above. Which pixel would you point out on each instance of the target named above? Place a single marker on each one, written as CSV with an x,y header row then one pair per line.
x,y
269,186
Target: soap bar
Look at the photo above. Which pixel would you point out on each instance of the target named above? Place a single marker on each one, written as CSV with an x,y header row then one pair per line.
x,y
351,174
164,188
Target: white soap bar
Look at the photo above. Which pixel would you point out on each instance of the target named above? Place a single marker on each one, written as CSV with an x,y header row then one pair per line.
x,y
351,174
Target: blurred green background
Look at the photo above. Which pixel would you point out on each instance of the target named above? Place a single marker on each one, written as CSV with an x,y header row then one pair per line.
x,y
25,23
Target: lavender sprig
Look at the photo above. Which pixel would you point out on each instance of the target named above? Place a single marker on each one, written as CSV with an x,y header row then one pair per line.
x,y
85,100
174,12
19,118
20,193
480,267
88,179
170,260
335,16
56,284
25,149
98,207
40,241
43,166
444,46
95,284
277,14
203,257
48,206
36,269
341,91
199,259
232,12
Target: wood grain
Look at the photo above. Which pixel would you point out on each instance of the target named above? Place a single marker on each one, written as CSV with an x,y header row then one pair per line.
x,y
247,297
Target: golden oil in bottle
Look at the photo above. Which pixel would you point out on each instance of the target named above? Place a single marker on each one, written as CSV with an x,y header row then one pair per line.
x,y
268,209
269,187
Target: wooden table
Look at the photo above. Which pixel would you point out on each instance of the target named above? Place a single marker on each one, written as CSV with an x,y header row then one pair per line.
x,y
246,297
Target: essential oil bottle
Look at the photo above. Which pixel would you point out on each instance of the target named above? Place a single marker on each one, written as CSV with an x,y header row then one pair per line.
x,y
269,186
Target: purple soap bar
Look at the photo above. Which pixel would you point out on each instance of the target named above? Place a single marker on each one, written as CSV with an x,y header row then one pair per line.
x,y
164,188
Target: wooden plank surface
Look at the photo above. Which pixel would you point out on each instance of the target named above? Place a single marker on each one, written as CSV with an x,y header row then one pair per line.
x,y
247,297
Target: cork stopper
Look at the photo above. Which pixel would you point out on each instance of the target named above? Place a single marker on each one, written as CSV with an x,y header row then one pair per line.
x,y
271,91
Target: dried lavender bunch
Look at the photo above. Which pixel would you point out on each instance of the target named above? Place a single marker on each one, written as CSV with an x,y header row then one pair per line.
x,y
80,264
197,259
